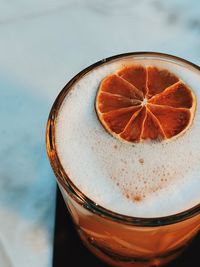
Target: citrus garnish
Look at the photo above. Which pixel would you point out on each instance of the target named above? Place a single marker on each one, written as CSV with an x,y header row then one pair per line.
x,y
138,103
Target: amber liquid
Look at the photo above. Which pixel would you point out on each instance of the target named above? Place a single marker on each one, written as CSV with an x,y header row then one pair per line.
x,y
131,246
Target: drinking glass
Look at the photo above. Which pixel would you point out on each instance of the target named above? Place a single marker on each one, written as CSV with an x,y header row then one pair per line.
x,y
118,239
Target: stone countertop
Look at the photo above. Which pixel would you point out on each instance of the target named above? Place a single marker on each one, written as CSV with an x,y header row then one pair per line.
x,y
42,45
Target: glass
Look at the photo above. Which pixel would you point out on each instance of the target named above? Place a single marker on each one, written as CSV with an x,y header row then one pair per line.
x,y
117,239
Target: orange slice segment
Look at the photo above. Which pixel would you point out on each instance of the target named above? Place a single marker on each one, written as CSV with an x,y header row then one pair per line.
x,y
172,120
115,85
115,121
135,75
177,95
152,128
108,102
158,80
133,130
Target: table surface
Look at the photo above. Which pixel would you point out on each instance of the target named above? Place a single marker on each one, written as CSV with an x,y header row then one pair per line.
x,y
42,45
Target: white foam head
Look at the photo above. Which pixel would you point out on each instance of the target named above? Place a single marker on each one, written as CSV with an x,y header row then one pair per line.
x,y
166,175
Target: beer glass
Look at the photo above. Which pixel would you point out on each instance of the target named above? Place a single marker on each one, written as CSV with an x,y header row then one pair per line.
x,y
118,239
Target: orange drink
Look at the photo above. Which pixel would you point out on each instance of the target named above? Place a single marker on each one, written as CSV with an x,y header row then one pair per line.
x,y
123,140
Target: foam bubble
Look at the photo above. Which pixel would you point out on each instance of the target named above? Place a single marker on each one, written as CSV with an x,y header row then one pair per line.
x,y
149,179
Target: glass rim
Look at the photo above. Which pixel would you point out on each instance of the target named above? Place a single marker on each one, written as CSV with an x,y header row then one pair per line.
x,y
65,180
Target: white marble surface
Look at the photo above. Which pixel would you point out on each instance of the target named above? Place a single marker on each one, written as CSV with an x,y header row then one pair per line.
x,y
42,45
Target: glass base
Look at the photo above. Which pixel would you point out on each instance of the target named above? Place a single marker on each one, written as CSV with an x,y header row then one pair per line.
x,y
115,259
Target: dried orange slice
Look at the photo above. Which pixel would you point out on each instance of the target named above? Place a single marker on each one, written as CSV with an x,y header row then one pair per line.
x,y
138,103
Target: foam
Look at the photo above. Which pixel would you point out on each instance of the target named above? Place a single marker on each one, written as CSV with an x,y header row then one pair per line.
x,y
149,179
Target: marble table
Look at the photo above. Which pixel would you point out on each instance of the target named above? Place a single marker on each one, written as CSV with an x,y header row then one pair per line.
x,y
43,43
